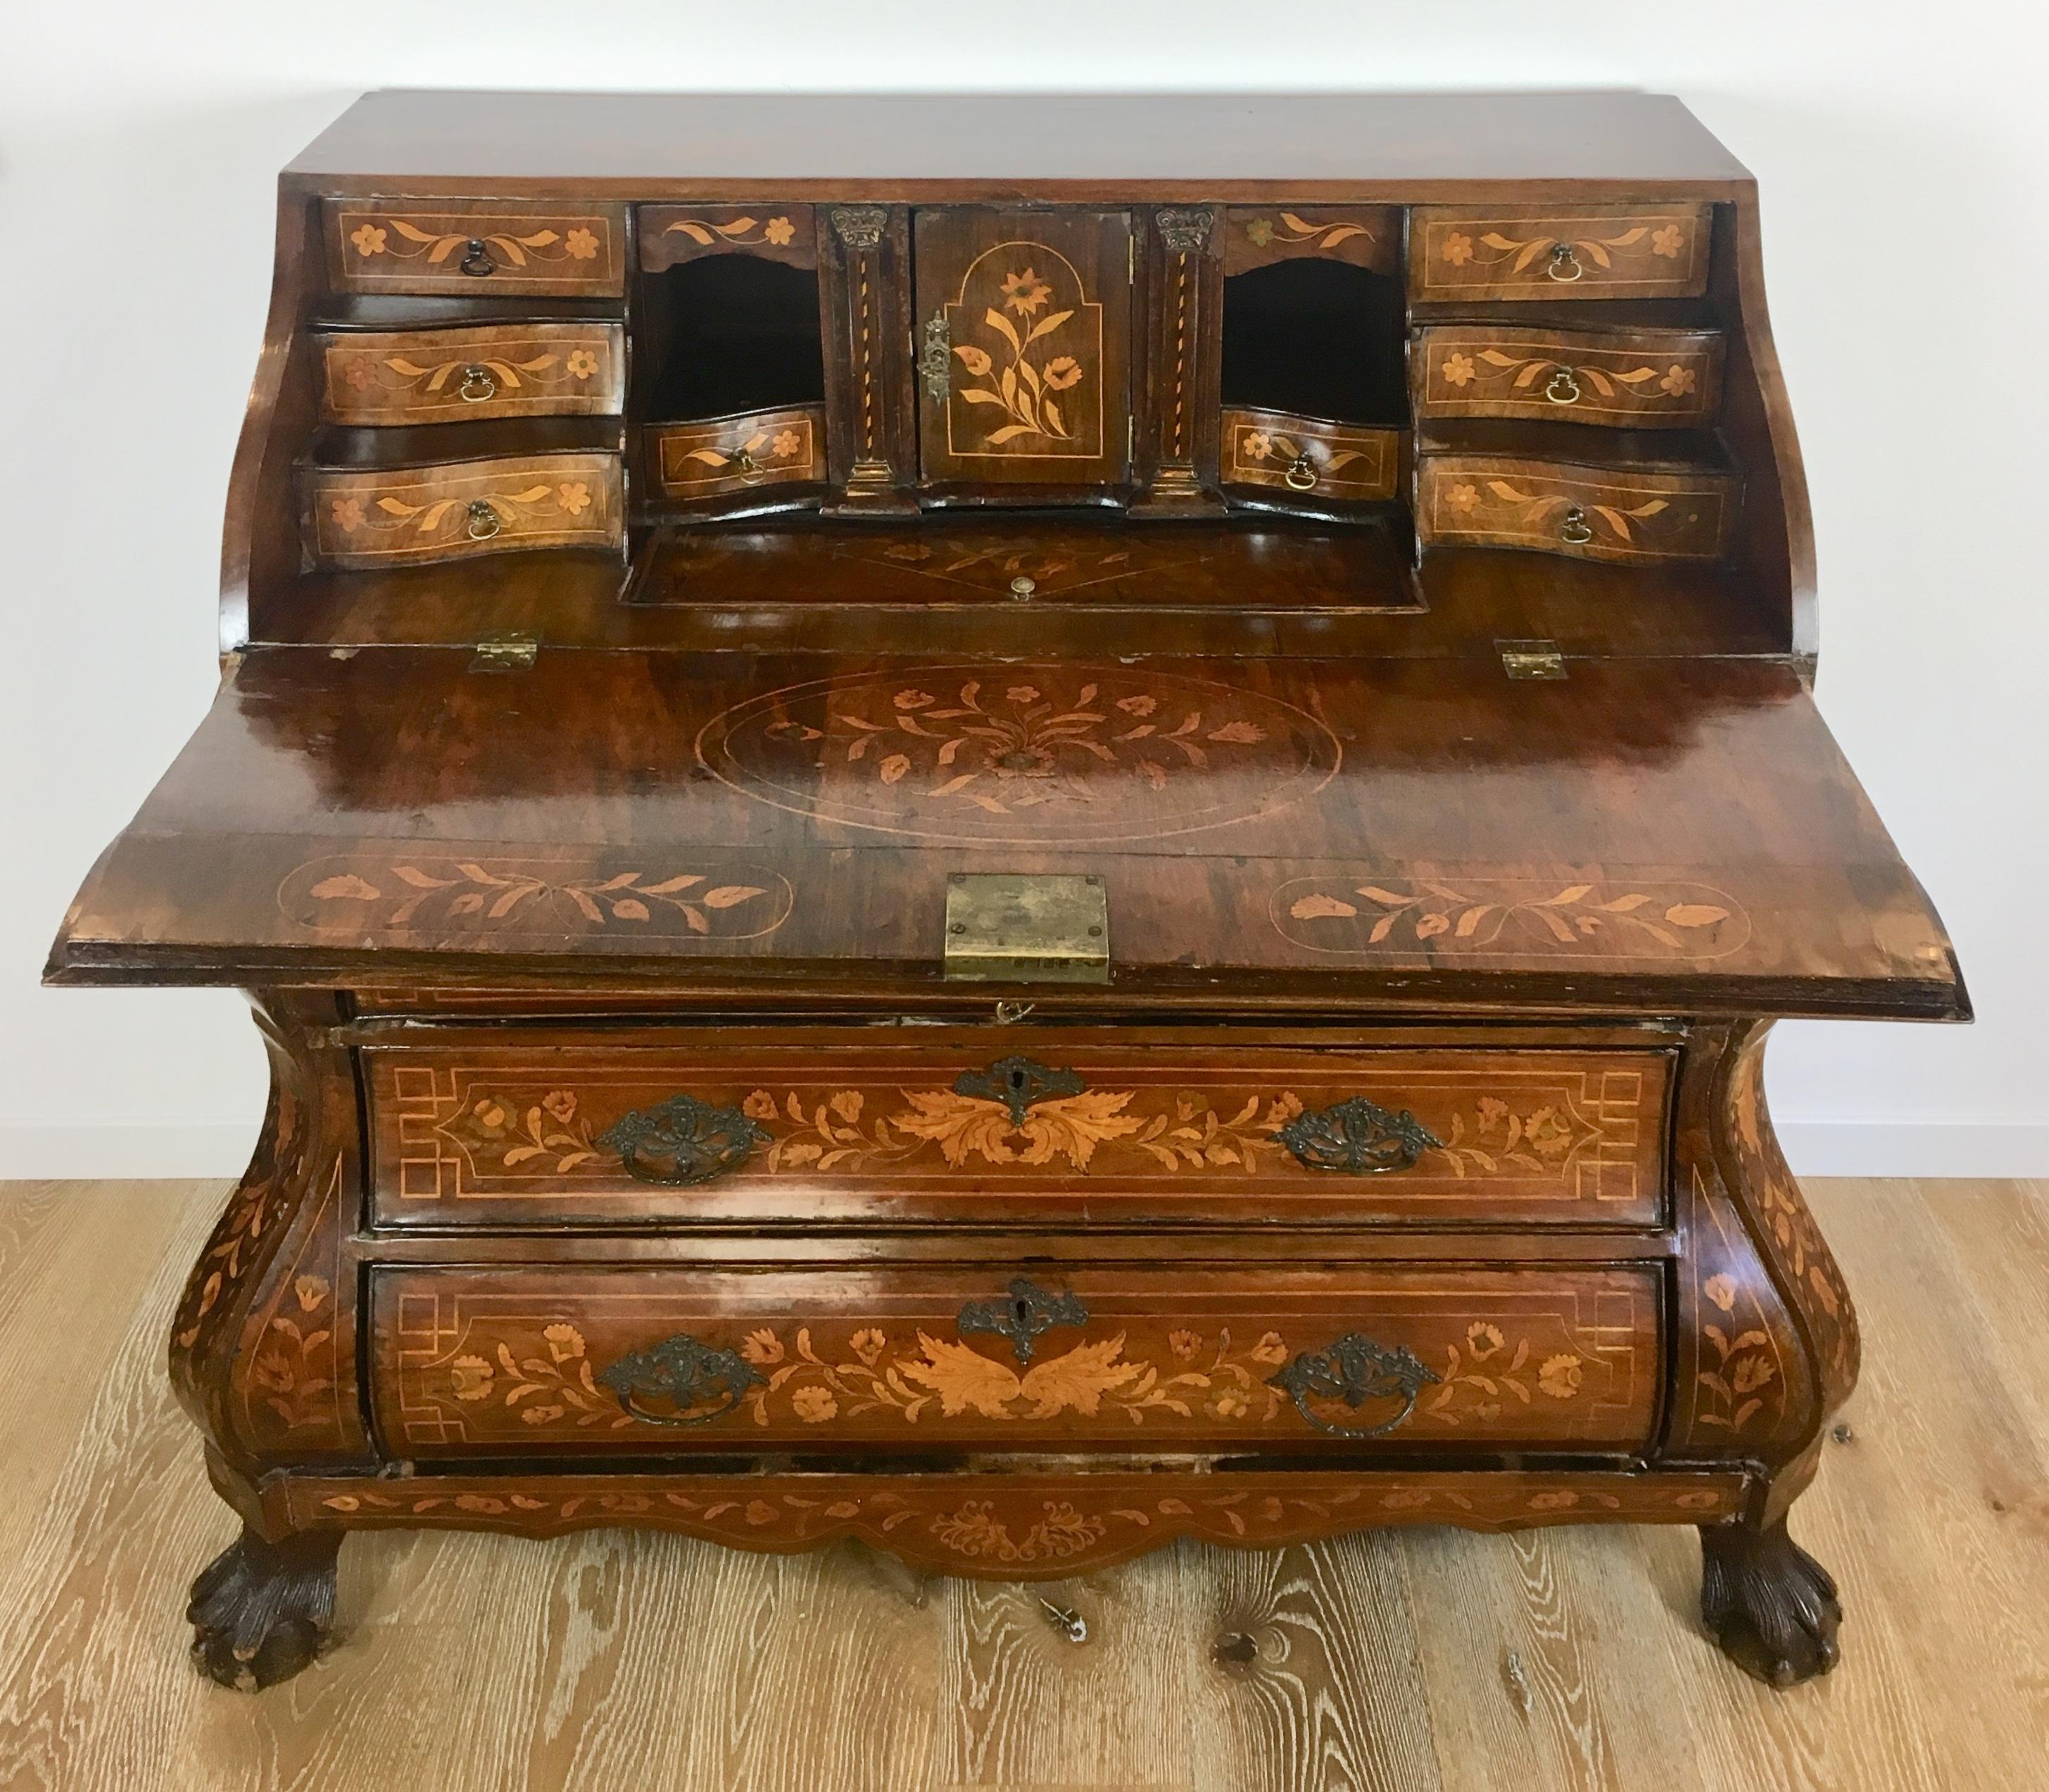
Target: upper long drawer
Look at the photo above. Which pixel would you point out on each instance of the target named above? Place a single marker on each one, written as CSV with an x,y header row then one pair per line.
x,y
481,245
694,1128
1556,252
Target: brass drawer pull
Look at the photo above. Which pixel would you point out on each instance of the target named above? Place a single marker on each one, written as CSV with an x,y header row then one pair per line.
x,y
1563,388
476,258
478,384
751,471
683,1373
1562,258
483,520
1301,473
682,1140
1356,1370
1357,1137
1572,528
1028,1311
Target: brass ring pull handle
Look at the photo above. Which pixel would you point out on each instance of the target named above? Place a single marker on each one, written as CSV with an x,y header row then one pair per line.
x,y
681,1141
1572,528
1359,1137
683,1374
1022,1316
1563,258
476,258
1301,473
1359,1372
751,471
484,520
478,383
1563,387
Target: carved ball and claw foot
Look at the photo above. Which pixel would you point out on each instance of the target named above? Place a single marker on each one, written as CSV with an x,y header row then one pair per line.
x,y
1771,1605
261,1611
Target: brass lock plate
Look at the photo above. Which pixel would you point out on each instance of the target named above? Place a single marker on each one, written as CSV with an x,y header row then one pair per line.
x,y
1014,928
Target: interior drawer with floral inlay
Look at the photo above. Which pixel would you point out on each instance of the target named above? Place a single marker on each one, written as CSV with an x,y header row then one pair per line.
x,y
605,1361
1629,515
380,378
1310,460
1629,379
698,1127
728,457
1553,252
413,515
482,245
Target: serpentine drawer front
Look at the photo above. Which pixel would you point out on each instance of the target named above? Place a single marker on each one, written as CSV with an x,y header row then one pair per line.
x,y
410,515
1593,513
1310,459
382,377
703,1127
557,1360
1630,379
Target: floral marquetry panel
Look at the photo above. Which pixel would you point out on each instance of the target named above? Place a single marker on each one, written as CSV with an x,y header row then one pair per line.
x,y
481,1136
1554,254
1310,459
733,457
601,1361
414,516
475,246
1367,236
1630,516
773,230
383,377
1023,331
1635,379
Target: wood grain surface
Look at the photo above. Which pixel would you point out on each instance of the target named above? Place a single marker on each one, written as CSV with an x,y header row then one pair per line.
x,y
1404,1659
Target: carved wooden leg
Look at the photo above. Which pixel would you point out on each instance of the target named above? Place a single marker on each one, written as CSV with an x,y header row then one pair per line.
x,y
1771,1605
261,1611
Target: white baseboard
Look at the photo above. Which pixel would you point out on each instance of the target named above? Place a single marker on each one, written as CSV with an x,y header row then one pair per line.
x,y
1814,1148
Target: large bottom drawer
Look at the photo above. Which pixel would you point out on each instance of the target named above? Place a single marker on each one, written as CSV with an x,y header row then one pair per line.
x,y
535,1359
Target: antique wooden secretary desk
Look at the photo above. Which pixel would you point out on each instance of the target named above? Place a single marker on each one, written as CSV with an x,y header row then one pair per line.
x,y
1015,827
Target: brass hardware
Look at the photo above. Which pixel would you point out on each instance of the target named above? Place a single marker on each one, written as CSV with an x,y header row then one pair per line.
x,y
1018,1083
1359,1137
1354,1370
484,520
859,226
1562,258
751,471
1064,1618
936,364
1184,232
1531,659
478,384
505,653
1021,588
1023,1317
685,1373
1563,388
1301,473
1006,927
682,1140
1009,1013
476,258
1572,528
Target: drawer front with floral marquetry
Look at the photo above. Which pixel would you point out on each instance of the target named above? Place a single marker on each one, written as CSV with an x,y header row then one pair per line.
x,y
1087,1133
412,515
1592,513
382,377
1554,252
736,455
1633,379
777,233
1316,462
610,1359
475,246
1258,236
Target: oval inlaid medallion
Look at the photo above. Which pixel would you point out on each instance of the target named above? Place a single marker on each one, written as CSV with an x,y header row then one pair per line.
x,y
1045,756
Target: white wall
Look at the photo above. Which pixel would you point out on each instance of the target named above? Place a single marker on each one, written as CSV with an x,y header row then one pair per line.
x,y
1907,254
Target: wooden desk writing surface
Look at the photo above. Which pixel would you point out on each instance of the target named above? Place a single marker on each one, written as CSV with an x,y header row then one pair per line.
x,y
1016,843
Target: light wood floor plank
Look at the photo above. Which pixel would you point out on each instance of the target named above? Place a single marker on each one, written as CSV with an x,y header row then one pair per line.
x,y
1402,1662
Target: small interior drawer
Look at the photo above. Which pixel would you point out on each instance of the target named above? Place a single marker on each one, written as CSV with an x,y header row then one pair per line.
x,y
1367,236
380,378
1558,253
415,515
475,245
1314,460
1621,379
558,1359
728,456
1624,515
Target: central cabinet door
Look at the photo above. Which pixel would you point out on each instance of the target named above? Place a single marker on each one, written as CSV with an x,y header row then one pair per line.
x,y
1024,348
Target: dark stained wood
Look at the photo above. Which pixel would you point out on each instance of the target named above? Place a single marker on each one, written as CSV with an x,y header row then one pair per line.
x,y
623,1117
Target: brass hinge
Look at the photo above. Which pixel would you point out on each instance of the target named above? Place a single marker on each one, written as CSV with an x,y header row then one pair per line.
x,y
1531,659
1003,927
505,653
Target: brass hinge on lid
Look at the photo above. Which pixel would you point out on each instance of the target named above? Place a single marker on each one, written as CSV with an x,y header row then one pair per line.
x,y
1531,659
505,653
1003,927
